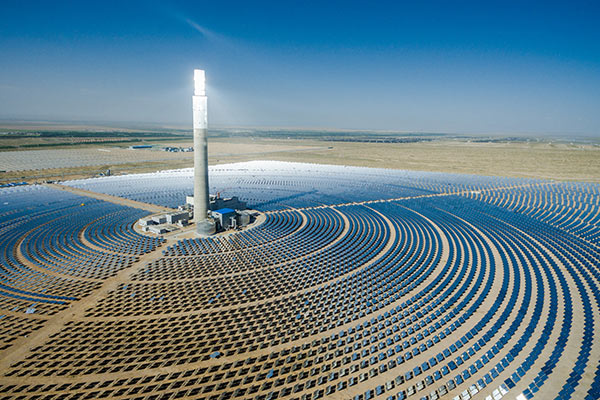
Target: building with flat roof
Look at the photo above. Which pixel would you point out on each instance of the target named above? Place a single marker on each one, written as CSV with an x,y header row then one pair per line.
x,y
225,217
217,202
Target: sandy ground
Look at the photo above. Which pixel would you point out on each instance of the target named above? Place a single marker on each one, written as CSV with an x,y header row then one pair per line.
x,y
528,160
99,155
517,159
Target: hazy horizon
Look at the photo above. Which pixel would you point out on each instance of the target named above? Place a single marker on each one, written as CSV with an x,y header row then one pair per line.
x,y
466,67
8,125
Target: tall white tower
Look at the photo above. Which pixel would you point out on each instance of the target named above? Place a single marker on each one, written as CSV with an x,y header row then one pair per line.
x,y
204,225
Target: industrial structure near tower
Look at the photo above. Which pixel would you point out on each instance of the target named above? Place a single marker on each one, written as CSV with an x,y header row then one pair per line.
x,y
211,213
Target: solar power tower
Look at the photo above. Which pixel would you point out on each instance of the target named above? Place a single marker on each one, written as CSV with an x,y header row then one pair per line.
x,y
204,225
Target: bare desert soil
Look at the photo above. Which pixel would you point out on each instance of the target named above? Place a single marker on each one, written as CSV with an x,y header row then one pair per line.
x,y
516,159
546,160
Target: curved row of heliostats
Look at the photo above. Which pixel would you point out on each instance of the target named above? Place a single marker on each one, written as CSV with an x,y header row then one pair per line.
x,y
483,292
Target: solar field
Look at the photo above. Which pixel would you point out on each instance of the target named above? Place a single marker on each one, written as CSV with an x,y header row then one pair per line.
x,y
360,283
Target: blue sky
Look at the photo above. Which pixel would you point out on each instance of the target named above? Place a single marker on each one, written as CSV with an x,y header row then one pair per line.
x,y
446,66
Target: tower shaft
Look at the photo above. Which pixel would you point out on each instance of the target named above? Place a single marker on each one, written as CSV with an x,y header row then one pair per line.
x,y
200,120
